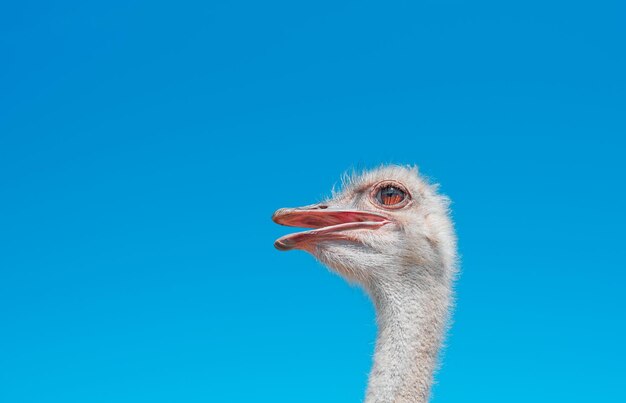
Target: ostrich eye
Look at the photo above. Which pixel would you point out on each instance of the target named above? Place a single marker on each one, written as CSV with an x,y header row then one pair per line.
x,y
390,195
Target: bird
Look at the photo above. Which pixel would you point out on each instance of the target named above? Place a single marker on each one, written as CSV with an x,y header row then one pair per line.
x,y
388,230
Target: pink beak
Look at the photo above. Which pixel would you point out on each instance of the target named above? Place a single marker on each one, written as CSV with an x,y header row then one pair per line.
x,y
328,224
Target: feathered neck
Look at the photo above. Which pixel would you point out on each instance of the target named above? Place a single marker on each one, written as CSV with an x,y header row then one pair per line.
x,y
412,317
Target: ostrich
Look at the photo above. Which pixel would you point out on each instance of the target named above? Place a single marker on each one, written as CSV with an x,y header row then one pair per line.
x,y
389,231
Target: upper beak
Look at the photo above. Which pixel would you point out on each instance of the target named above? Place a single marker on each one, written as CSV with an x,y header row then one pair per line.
x,y
329,224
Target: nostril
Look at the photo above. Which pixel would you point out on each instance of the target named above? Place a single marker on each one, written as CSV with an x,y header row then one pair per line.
x,y
322,206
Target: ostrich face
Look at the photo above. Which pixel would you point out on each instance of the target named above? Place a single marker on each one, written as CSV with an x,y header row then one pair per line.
x,y
382,224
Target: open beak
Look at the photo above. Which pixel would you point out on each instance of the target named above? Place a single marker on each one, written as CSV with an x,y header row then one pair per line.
x,y
328,224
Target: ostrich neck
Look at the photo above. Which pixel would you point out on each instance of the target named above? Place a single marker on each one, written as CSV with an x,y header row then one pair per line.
x,y
411,316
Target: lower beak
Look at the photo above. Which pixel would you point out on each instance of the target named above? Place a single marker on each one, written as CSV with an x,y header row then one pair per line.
x,y
327,223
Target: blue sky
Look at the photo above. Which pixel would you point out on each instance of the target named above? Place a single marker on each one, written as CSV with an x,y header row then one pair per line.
x,y
145,145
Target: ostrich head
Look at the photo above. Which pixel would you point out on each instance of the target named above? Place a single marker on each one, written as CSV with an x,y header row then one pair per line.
x,y
377,230
388,230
